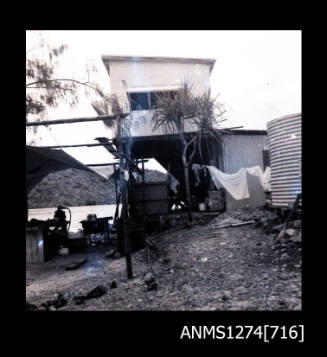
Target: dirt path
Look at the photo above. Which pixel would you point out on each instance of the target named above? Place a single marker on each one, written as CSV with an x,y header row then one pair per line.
x,y
198,268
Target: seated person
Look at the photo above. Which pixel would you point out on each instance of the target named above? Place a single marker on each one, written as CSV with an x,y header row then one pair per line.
x,y
60,219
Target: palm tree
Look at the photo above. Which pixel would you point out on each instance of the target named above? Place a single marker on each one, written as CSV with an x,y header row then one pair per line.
x,y
174,112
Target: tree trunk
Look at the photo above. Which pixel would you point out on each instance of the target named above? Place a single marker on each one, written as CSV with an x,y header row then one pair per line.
x,y
187,187
186,173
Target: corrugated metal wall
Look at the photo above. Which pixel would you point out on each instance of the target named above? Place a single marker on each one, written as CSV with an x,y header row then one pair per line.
x,y
285,148
244,150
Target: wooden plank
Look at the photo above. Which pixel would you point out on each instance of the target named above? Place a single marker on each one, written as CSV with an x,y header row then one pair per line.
x,y
76,120
71,146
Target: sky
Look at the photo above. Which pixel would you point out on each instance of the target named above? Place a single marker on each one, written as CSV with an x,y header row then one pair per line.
x,y
257,75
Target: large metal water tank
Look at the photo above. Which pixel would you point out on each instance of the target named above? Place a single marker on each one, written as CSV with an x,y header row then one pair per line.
x,y
285,151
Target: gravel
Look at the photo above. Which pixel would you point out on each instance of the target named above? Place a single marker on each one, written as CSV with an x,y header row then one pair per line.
x,y
197,268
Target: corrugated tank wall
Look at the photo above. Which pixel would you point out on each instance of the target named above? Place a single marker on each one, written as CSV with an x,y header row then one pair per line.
x,y
285,150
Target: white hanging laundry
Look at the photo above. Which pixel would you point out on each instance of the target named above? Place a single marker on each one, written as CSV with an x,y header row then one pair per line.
x,y
236,184
257,171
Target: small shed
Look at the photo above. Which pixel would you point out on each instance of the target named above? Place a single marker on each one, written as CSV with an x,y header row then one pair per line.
x,y
245,148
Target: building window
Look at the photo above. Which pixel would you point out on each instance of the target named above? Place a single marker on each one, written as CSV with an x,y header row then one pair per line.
x,y
145,100
139,101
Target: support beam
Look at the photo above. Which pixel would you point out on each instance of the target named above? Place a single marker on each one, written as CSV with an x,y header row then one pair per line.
x,y
70,146
114,163
76,120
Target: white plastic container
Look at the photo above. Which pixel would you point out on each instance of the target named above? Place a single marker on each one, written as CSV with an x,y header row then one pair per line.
x,y
202,207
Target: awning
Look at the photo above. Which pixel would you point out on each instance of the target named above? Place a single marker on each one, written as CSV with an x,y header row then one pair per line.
x,y
42,161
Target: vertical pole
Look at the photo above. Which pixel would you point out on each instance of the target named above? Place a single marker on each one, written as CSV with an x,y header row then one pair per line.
x,y
143,179
129,270
26,198
116,189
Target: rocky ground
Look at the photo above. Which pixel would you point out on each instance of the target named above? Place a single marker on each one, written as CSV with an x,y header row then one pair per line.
x,y
197,267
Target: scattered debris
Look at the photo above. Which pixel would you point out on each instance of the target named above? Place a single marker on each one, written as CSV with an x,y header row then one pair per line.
x,y
284,257
280,236
96,292
150,281
31,307
79,299
243,270
59,302
149,278
110,253
297,223
117,255
290,232
76,264
151,244
297,238
152,286
236,224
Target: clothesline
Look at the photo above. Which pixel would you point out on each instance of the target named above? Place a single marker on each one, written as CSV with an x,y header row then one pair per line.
x,y
236,184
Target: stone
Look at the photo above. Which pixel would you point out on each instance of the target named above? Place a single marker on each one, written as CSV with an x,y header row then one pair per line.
x,y
271,216
152,286
284,257
277,228
263,221
117,255
297,223
297,238
109,253
279,287
283,276
241,290
236,277
290,232
148,278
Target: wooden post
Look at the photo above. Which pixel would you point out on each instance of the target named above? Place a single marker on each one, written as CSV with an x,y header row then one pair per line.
x,y
143,180
26,198
116,190
123,192
187,182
